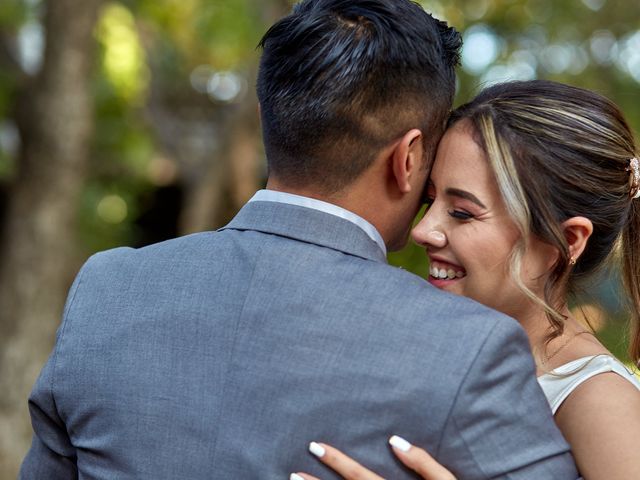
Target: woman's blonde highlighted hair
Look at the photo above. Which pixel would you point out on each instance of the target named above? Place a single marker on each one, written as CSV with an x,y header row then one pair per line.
x,y
559,152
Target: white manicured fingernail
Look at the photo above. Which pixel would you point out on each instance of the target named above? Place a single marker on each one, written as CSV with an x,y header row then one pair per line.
x,y
316,449
400,443
295,476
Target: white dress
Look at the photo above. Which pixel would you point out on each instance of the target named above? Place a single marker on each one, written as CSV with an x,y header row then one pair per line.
x,y
570,375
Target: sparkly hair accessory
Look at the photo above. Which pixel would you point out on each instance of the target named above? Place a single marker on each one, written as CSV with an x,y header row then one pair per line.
x,y
634,177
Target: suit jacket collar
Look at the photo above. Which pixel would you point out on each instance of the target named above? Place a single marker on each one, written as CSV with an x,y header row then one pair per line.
x,y
306,225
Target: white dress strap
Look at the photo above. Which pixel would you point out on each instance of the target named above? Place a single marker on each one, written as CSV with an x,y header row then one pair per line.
x,y
560,382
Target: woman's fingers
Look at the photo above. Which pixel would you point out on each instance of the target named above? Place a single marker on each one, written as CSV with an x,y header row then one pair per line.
x,y
413,457
341,463
418,460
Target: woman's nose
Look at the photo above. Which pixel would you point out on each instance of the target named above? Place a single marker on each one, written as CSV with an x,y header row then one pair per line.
x,y
426,234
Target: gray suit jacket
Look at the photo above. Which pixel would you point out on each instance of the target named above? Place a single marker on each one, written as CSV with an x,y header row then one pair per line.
x,y
221,355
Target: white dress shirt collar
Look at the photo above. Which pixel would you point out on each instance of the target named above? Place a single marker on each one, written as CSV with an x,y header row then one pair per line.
x,y
330,208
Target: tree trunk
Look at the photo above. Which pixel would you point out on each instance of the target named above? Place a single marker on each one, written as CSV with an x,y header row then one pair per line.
x,y
55,118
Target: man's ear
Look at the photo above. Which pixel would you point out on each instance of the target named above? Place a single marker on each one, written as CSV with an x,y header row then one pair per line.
x,y
577,231
406,159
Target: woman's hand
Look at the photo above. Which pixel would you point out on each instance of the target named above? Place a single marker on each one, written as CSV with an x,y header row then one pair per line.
x,y
413,457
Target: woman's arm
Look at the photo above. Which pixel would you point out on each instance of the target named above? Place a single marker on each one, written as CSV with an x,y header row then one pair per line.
x,y
601,422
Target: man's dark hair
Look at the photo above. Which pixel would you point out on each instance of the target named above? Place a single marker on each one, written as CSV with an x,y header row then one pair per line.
x,y
341,79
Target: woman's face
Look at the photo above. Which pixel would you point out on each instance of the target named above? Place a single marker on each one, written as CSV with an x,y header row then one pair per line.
x,y
468,233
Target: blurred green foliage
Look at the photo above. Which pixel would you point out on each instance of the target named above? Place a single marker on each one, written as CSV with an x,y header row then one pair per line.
x,y
147,44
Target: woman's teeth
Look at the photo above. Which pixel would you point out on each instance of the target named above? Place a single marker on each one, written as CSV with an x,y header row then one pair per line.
x,y
441,272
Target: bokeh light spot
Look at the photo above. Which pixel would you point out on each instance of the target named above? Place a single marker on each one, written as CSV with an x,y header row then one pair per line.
x,y
629,58
603,47
226,86
594,5
556,58
112,209
480,49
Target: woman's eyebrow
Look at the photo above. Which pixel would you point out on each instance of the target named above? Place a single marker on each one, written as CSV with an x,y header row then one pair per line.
x,y
456,192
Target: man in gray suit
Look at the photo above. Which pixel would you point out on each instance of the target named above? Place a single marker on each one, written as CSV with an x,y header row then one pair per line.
x,y
223,354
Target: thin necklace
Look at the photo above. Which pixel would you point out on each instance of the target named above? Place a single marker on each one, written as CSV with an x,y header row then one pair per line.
x,y
545,360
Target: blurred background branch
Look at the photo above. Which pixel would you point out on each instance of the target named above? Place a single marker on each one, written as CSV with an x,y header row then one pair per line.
x,y
128,122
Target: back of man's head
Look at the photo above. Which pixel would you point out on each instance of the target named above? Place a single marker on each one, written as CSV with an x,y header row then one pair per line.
x,y
341,79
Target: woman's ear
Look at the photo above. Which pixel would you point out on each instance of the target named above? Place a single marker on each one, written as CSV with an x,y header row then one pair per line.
x,y
406,159
577,231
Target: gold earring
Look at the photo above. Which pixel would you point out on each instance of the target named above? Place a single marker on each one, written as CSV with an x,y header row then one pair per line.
x,y
572,261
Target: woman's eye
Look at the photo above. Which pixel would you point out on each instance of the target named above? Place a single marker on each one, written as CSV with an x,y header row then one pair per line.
x,y
460,214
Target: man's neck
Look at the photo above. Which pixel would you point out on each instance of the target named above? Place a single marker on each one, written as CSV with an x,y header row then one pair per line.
x,y
349,199
273,184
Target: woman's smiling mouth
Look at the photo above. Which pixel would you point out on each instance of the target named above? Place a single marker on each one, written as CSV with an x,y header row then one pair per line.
x,y
444,273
